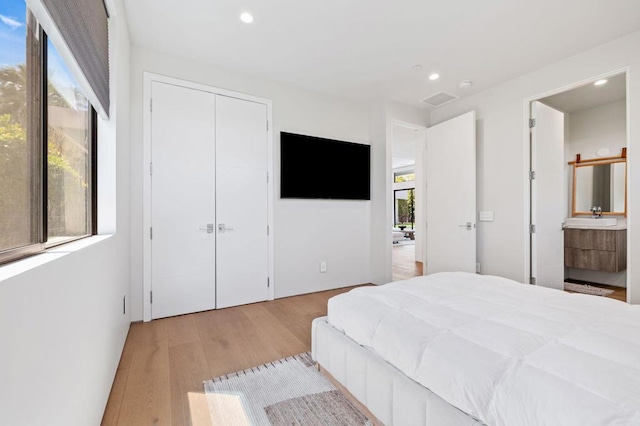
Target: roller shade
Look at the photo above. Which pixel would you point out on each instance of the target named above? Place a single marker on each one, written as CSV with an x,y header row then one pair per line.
x,y
83,24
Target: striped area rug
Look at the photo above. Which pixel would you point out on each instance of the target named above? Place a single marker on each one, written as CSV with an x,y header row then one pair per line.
x,y
286,392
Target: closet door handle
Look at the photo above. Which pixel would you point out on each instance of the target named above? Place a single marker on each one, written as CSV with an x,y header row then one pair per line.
x,y
468,225
223,228
208,227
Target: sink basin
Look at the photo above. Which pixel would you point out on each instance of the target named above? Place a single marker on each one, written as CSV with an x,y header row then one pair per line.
x,y
590,222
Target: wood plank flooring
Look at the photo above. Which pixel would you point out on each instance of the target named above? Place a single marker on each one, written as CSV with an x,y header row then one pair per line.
x,y
164,362
404,263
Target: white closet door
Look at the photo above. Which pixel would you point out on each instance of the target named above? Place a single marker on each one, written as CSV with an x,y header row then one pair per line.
x,y
182,200
451,195
547,196
241,206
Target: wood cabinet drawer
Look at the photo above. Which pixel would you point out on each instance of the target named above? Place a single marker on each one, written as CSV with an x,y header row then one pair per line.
x,y
598,260
590,239
595,249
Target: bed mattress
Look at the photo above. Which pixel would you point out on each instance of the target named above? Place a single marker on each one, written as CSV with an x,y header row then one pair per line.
x,y
503,352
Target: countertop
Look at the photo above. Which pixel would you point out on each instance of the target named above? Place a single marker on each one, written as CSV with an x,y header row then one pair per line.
x,y
603,228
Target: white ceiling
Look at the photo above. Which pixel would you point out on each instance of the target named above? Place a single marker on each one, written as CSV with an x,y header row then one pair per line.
x,y
589,96
365,49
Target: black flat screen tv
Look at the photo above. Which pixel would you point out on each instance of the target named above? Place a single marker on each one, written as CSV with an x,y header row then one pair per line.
x,y
318,168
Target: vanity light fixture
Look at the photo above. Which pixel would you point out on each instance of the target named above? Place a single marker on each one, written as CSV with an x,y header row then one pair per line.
x,y
246,17
434,76
600,82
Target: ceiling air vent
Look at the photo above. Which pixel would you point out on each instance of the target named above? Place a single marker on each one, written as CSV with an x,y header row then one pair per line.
x,y
439,99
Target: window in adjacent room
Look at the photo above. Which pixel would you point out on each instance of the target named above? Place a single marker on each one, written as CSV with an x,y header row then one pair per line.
x,y
404,177
404,207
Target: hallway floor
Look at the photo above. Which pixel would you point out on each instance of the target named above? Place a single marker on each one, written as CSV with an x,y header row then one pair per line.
x,y
404,264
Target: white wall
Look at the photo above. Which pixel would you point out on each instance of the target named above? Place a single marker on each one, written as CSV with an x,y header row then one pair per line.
x,y
406,169
381,195
589,130
404,185
604,126
502,154
305,231
61,323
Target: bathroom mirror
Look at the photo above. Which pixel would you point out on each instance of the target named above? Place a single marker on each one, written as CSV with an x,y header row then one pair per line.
x,y
600,184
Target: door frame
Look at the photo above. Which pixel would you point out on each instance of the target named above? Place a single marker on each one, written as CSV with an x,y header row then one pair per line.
x,y
390,201
528,166
148,79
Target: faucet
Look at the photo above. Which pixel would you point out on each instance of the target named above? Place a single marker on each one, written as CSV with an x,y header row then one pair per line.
x,y
596,212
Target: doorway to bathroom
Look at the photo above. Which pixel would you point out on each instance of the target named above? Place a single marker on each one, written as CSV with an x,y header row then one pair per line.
x,y
578,186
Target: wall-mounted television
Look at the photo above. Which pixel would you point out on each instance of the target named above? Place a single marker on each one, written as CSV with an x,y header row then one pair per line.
x,y
318,168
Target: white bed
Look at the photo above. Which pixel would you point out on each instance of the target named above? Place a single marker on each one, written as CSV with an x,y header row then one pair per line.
x,y
466,349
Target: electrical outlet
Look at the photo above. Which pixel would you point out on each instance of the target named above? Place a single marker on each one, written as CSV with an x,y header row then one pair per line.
x,y
323,266
477,267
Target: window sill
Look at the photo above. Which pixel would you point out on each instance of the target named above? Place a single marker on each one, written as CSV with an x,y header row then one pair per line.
x,y
18,267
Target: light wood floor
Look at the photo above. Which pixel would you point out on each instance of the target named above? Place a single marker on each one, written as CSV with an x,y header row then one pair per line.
x,y
404,263
164,362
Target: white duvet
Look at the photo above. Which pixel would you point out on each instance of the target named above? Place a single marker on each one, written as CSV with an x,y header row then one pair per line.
x,y
506,353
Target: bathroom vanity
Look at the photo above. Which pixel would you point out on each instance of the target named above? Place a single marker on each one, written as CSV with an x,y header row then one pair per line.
x,y
599,242
599,249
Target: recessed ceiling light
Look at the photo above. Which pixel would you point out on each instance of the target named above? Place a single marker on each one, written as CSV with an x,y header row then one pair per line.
x,y
465,84
600,82
434,76
246,17
417,67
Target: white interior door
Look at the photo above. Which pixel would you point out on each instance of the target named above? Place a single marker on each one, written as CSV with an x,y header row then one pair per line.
x,y
451,195
547,196
241,207
182,200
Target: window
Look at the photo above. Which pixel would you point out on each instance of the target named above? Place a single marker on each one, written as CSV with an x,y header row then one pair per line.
x,y
404,207
47,142
404,177
16,207
68,154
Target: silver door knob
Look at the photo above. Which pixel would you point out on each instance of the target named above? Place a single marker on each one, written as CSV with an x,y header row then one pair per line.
x,y
223,228
468,225
208,227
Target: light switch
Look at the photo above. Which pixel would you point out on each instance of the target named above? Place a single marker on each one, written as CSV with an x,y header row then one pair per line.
x,y
486,216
